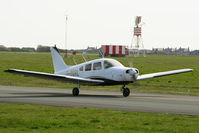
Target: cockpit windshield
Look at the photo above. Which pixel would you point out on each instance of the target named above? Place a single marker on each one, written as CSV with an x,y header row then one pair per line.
x,y
111,63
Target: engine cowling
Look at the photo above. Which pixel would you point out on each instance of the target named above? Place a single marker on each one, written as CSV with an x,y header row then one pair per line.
x,y
131,74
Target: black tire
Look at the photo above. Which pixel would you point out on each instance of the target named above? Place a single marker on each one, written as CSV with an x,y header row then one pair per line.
x,y
126,92
75,91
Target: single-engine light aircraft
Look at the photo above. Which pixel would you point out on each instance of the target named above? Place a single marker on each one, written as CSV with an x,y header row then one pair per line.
x,y
98,72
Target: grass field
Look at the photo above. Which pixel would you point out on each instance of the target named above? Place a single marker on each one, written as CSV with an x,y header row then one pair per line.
x,y
20,118
187,83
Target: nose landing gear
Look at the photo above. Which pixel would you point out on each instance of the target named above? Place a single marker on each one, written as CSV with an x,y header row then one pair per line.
x,y
75,91
125,91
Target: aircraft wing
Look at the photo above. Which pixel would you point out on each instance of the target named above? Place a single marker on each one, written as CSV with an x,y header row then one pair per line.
x,y
160,74
64,78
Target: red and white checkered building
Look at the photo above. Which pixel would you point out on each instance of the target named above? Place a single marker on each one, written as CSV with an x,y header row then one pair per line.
x,y
114,50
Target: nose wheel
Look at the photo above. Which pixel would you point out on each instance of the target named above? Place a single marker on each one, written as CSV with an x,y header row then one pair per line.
x,y
125,91
75,91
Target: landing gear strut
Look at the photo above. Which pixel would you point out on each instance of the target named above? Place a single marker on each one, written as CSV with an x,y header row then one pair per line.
x,y
125,91
75,91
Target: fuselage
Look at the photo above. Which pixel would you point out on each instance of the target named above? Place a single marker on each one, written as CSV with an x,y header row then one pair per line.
x,y
110,70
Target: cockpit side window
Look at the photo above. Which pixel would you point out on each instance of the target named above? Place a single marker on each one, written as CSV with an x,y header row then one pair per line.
x,y
81,68
97,66
88,67
107,64
111,63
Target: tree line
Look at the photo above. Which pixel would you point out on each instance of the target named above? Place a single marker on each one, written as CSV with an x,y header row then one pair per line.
x,y
39,48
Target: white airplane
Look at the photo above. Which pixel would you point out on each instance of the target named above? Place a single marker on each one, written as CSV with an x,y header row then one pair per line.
x,y
98,72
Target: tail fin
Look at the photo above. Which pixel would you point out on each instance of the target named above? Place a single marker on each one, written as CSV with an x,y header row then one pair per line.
x,y
58,61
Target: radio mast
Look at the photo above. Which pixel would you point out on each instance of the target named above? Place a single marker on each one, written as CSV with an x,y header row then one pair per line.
x,y
66,28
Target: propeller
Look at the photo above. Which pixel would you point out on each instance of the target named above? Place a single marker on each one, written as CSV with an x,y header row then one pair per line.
x,y
133,73
130,62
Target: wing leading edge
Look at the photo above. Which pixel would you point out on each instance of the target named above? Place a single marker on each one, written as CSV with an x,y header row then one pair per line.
x,y
64,78
160,74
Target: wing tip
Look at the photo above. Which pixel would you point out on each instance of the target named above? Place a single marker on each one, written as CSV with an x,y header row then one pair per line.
x,y
8,70
189,69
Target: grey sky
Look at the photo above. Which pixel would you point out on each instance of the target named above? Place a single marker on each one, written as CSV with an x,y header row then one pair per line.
x,y
169,23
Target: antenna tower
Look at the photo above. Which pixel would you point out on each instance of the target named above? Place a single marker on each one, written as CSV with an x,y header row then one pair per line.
x,y
66,52
137,46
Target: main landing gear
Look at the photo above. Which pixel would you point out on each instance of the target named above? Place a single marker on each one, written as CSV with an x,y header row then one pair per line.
x,y
125,91
76,90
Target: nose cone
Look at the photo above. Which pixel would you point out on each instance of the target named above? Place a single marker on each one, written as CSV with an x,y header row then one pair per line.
x,y
131,74
132,71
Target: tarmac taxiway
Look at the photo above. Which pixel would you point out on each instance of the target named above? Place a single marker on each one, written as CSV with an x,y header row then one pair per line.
x,y
139,102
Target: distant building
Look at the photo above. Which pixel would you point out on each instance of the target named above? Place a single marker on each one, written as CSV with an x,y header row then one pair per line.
x,y
114,50
138,51
195,52
183,51
28,49
14,49
91,50
147,51
41,48
171,51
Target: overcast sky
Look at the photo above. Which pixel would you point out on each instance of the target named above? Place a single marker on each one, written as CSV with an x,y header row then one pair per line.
x,y
168,23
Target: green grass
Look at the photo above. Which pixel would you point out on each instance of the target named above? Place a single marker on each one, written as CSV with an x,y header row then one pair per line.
x,y
20,118
177,84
